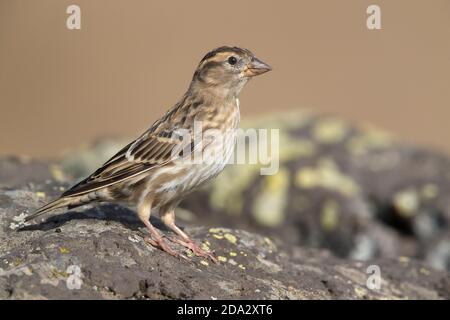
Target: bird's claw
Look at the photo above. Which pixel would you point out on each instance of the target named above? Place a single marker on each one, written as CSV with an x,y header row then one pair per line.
x,y
196,250
164,246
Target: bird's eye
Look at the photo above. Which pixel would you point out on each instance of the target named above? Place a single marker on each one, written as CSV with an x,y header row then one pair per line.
x,y
232,60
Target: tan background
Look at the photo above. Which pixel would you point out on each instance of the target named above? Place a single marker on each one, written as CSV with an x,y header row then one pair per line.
x,y
133,59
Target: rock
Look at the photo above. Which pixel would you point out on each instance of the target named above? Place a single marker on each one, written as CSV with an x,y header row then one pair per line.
x,y
354,190
98,253
18,171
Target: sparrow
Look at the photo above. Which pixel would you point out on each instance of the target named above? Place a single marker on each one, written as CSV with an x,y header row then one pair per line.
x,y
161,167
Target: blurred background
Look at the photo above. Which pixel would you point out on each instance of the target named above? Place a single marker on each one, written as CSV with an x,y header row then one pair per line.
x,y
73,97
132,60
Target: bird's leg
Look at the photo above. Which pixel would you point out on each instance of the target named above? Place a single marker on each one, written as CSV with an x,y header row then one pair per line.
x,y
156,240
168,218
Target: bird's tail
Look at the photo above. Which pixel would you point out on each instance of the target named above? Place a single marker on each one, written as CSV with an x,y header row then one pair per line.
x,y
56,204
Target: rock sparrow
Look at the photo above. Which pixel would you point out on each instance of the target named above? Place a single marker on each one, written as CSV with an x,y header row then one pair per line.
x,y
157,170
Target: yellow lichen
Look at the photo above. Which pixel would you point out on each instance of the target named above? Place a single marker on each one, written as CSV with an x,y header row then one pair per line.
x,y
58,273
329,216
63,250
57,173
241,266
360,292
205,263
326,175
269,206
232,254
40,194
222,259
17,262
329,131
307,178
403,259
189,253
231,238
424,271
270,244
205,246
406,202
218,236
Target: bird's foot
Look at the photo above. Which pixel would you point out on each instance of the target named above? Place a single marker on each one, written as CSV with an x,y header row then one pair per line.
x,y
160,243
196,250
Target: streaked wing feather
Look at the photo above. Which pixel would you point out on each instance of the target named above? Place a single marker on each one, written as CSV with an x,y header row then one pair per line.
x,y
149,151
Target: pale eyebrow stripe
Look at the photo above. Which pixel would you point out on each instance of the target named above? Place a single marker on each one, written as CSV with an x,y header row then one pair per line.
x,y
218,57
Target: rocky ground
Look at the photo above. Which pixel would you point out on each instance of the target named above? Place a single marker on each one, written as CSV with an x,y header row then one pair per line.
x,y
346,201
98,253
354,190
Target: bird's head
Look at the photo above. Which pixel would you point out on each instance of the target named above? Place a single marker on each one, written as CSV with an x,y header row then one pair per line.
x,y
228,69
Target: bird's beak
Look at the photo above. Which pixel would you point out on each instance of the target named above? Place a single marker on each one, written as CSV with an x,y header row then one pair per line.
x,y
256,67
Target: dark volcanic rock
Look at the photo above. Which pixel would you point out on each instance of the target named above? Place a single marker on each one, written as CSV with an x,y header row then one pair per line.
x,y
98,252
19,171
351,189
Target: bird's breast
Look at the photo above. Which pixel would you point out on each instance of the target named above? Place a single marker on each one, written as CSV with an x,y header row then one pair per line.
x,y
217,146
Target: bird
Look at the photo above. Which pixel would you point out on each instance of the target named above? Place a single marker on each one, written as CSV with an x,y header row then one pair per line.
x,y
161,167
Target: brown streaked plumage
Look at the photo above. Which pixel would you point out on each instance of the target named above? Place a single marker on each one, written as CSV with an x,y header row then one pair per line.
x,y
156,170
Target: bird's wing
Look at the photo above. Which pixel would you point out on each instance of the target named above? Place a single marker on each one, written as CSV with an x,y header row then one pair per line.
x,y
147,152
